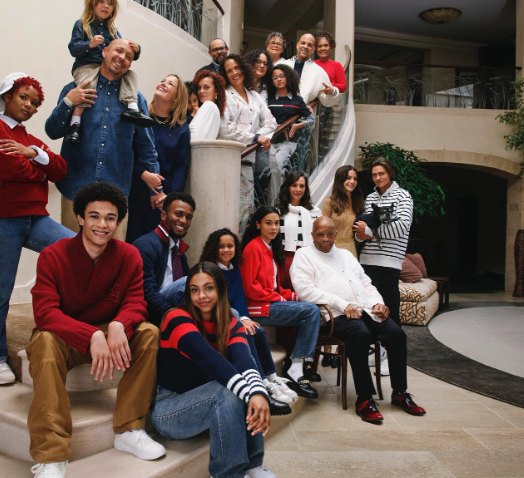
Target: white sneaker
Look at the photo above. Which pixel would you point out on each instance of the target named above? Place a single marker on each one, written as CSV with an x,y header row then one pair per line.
x,y
49,470
384,367
277,394
281,383
140,444
260,472
371,358
6,374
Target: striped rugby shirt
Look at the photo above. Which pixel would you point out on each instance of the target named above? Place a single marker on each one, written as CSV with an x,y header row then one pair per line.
x,y
186,360
394,236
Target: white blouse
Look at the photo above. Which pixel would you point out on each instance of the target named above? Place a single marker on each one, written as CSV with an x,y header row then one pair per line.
x,y
206,123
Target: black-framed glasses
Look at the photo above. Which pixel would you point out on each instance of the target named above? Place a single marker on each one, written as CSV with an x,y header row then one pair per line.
x,y
219,48
261,62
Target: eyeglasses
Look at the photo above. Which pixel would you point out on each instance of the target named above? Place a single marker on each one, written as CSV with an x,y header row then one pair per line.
x,y
274,43
279,77
260,62
220,48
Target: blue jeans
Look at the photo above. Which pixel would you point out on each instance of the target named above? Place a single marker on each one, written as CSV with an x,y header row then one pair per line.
x,y
31,232
211,406
174,293
259,347
302,314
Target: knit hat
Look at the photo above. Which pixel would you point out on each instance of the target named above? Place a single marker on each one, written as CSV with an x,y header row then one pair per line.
x,y
7,84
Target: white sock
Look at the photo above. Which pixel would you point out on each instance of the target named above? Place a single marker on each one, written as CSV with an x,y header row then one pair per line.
x,y
75,119
308,359
295,371
265,381
132,105
272,377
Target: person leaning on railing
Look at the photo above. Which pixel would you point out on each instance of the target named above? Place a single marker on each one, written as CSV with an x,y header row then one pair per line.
x,y
325,44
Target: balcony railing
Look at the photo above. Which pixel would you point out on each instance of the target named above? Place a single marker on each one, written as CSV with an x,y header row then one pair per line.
x,y
444,86
202,19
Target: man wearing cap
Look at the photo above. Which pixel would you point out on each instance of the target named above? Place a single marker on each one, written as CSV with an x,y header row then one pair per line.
x,y
27,167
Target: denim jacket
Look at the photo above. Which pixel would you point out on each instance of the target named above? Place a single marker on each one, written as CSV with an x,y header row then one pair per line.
x,y
79,44
108,146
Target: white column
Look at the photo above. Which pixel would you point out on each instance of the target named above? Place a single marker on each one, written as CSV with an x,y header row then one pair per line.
x,y
214,183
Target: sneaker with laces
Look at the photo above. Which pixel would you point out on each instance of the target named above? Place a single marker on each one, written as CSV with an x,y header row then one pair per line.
x,y
371,358
140,444
384,368
281,383
50,470
277,394
260,472
6,374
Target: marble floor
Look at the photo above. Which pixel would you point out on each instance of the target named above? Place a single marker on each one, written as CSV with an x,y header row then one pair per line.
x,y
463,435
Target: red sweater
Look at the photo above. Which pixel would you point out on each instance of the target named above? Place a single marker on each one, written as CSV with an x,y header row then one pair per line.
x,y
24,184
258,279
335,72
71,296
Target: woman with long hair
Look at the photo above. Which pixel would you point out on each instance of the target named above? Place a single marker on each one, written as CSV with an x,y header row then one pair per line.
x,y
248,120
270,304
168,109
297,214
223,249
207,379
211,92
262,64
344,205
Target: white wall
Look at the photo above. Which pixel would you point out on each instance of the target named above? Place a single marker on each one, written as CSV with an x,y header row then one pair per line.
x,y
34,38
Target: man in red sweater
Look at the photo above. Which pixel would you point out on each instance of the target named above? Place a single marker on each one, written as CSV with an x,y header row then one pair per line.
x,y
89,306
27,166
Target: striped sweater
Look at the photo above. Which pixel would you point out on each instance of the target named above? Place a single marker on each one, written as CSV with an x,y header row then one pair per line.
x,y
187,360
394,235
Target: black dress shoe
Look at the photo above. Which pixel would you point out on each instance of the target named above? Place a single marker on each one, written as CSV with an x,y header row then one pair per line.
x,y
301,387
309,373
137,117
277,408
73,133
335,363
326,361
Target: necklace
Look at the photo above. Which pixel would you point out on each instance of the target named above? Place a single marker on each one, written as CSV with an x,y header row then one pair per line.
x,y
159,121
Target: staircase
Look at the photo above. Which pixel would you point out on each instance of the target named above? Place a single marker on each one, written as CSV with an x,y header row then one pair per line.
x,y
92,452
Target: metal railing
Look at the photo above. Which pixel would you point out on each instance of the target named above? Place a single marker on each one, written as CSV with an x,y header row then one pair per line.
x,y
202,19
445,86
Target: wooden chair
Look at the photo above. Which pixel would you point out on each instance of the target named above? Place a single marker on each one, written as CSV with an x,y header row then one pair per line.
x,y
325,337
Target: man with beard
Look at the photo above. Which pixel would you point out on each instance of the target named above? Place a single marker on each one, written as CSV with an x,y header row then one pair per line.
x,y
163,255
218,50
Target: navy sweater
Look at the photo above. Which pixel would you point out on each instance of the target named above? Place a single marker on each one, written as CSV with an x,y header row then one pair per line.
x,y
235,292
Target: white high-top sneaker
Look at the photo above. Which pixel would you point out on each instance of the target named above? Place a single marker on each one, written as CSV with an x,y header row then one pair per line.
x,y
6,374
50,470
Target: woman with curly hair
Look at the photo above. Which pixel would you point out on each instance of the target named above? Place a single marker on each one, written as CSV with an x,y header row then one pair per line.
x,y
223,249
262,64
270,304
297,214
168,110
211,92
325,44
247,119
285,102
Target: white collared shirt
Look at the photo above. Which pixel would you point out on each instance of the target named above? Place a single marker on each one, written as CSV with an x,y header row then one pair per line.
x,y
168,276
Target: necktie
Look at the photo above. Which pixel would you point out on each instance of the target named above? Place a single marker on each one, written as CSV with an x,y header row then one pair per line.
x,y
176,264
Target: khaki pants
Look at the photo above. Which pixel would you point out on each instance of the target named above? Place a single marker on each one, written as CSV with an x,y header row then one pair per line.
x,y
69,220
49,420
128,84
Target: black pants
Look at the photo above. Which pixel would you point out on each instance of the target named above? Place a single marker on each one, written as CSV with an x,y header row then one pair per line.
x,y
385,279
358,334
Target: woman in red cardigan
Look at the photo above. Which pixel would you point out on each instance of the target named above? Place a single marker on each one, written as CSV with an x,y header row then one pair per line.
x,y
325,43
269,304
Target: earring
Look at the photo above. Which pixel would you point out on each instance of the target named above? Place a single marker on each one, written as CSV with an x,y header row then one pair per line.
x,y
216,97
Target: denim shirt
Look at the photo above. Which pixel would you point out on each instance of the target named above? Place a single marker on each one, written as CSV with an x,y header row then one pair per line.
x,y
79,44
108,145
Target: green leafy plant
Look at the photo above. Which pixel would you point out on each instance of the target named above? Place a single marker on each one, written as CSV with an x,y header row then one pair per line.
x,y
515,118
428,196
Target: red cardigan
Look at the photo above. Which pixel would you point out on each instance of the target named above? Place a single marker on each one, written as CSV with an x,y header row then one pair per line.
x,y
71,296
24,184
258,279
335,72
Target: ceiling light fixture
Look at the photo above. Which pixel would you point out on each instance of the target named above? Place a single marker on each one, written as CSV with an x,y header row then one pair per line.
x,y
440,15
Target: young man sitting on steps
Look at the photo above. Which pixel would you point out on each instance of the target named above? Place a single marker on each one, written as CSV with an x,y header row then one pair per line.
x,y
89,306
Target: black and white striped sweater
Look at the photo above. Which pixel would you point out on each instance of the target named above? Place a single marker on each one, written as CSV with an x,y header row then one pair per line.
x,y
394,235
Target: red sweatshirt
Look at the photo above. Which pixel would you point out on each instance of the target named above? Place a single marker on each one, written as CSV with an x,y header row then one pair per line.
x,y
258,279
71,295
24,184
335,72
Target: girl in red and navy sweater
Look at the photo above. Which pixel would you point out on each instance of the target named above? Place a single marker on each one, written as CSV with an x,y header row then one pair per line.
x,y
207,379
269,304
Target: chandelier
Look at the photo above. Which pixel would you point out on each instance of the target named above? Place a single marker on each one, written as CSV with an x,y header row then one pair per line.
x,y
440,15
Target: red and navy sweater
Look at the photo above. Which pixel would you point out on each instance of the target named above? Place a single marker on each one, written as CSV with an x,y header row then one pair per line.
x,y
187,360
